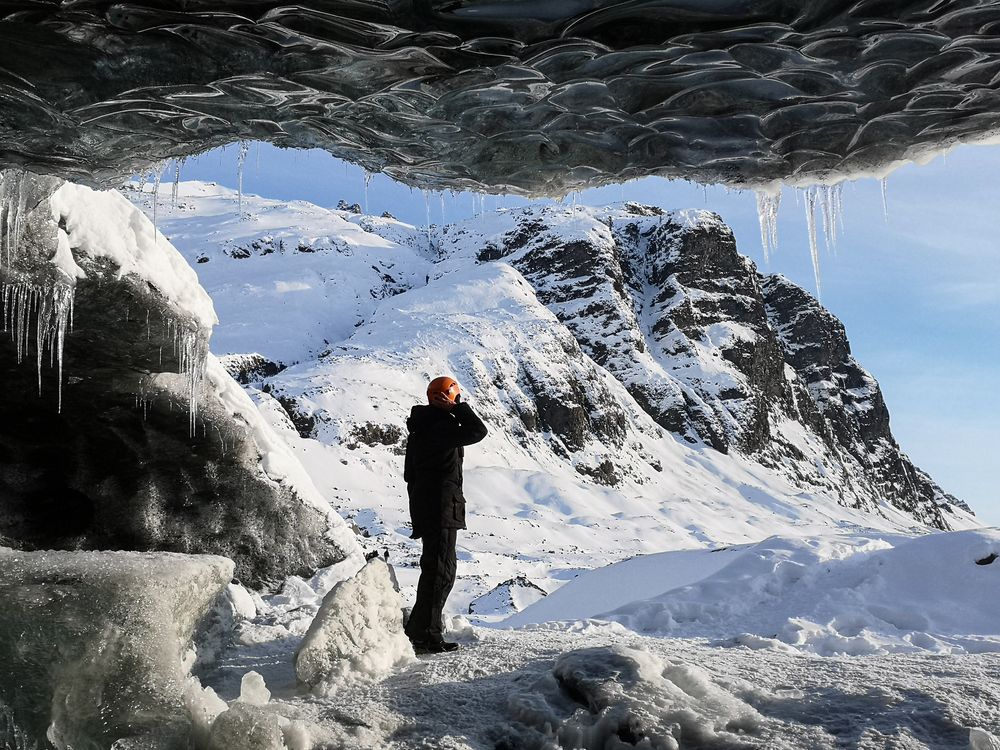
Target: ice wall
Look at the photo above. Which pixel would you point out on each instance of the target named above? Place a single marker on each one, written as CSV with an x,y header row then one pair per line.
x,y
119,430
95,646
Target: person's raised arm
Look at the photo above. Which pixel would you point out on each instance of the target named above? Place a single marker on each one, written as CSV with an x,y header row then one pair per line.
x,y
470,427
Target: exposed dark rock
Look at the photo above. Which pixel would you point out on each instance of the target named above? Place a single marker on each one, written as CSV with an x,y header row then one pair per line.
x,y
372,434
250,368
849,400
305,423
119,465
705,345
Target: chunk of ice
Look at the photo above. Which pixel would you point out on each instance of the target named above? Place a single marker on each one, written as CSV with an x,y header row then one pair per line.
x,y
357,633
95,644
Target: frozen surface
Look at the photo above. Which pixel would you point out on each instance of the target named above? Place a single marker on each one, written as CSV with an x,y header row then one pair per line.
x,y
598,680
96,646
357,633
597,698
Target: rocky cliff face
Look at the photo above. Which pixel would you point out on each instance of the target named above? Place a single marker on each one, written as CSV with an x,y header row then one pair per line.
x,y
711,349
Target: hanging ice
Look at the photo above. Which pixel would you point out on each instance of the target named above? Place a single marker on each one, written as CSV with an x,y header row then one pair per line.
x,y
767,214
885,202
157,177
810,197
240,162
178,163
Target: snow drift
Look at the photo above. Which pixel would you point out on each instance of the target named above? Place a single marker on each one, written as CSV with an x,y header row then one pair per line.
x,y
357,633
853,594
601,698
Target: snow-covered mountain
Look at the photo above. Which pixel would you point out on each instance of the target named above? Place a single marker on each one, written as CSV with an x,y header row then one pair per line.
x,y
645,387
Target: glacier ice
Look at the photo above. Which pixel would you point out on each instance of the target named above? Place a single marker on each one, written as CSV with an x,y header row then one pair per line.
x,y
357,633
456,96
96,646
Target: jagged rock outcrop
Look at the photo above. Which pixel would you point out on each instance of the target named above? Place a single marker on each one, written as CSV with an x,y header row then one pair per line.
x,y
154,446
849,409
711,349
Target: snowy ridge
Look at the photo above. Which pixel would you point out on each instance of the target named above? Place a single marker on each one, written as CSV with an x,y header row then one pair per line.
x,y
580,468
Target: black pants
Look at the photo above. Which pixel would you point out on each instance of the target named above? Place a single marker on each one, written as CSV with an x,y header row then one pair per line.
x,y
437,576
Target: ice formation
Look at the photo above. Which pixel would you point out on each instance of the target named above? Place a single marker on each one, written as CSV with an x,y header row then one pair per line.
x,y
473,96
357,633
767,214
619,697
96,645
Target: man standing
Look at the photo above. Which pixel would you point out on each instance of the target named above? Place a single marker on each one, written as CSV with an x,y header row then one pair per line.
x,y
433,474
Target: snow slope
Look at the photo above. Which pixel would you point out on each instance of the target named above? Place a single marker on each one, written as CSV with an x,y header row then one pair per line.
x,y
836,594
760,630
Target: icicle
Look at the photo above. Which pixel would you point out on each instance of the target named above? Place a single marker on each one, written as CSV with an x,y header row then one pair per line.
x,y
158,175
368,179
885,202
427,214
191,346
441,197
52,309
178,163
240,161
767,215
810,201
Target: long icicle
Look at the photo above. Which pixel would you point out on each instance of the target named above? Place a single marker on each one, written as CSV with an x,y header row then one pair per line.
x,y
767,215
810,203
240,161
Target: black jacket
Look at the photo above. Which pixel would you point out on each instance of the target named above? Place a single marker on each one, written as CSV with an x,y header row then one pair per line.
x,y
433,471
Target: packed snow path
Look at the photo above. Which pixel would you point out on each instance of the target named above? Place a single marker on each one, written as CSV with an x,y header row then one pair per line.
x,y
475,698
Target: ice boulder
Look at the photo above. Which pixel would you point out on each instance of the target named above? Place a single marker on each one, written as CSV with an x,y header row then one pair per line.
x,y
357,633
617,697
136,438
96,646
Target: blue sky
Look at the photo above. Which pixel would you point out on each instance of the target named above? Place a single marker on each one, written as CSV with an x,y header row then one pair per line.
x,y
919,294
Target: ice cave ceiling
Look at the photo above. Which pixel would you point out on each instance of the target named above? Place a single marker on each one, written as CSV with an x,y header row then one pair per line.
x,y
530,96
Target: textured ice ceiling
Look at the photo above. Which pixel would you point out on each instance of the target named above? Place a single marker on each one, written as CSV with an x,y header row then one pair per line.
x,y
536,96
